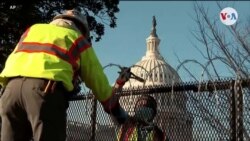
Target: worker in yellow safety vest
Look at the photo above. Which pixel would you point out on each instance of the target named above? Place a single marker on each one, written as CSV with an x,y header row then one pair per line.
x,y
140,126
39,75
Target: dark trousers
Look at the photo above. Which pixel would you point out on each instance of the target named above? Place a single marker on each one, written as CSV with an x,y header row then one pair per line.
x,y
28,112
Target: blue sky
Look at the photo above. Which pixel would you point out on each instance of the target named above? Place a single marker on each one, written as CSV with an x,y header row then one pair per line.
x,y
126,44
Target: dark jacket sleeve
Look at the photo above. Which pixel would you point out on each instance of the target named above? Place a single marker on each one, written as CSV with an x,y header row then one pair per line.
x,y
159,135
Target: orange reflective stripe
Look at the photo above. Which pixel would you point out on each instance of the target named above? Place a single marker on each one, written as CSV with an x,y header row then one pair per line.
x,y
47,48
127,134
25,34
71,55
83,44
78,46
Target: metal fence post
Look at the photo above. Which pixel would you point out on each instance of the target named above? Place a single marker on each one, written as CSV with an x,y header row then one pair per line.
x,y
93,120
233,112
239,110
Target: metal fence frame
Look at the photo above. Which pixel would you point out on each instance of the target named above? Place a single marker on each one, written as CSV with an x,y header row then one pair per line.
x,y
235,87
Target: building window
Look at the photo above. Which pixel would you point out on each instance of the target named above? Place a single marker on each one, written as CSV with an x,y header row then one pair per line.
x,y
150,77
156,78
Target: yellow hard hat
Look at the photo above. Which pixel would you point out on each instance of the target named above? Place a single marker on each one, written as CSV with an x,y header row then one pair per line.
x,y
77,17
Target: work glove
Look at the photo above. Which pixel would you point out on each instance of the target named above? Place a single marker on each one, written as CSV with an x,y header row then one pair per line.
x,y
124,76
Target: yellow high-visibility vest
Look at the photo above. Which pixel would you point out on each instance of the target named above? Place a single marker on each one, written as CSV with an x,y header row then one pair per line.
x,y
56,53
132,135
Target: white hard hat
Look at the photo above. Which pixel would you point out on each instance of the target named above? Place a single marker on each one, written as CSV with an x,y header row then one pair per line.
x,y
77,17
65,23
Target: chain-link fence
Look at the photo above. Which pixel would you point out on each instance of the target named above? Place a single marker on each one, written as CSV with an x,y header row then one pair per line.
x,y
202,111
